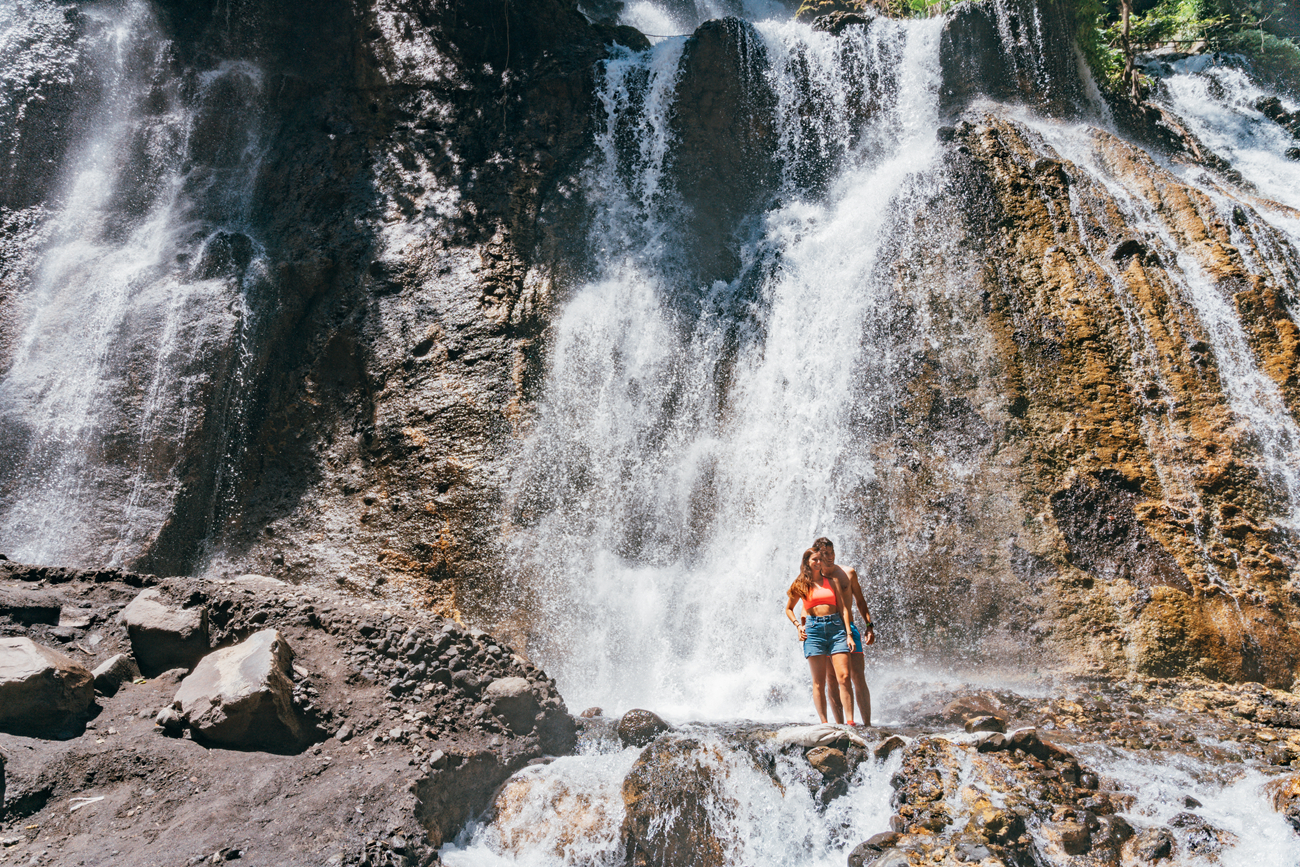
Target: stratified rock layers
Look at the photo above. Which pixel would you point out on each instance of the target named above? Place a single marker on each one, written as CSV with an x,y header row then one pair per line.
x,y
1139,485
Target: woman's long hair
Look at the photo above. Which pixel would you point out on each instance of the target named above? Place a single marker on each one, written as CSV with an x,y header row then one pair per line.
x,y
804,584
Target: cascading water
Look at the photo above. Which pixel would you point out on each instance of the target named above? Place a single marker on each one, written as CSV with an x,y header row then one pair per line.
x,y
689,448
689,444
133,328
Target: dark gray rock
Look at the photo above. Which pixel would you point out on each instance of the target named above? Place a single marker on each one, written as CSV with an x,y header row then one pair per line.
x,y
42,692
557,732
513,700
165,635
725,123
1154,844
871,849
113,672
242,697
639,727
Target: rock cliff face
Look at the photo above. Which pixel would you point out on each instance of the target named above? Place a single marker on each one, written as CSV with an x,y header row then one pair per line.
x,y
1069,474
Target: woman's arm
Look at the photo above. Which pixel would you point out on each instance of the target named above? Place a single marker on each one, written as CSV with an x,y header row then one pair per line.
x,y
869,630
846,614
790,601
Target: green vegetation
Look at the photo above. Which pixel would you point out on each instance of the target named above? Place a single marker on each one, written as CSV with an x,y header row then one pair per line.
x,y
1266,32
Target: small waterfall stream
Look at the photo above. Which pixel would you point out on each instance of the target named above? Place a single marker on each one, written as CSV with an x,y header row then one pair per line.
x,y
135,322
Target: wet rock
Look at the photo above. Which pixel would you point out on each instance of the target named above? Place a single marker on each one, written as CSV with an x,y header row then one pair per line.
x,y
992,744
113,672
592,713
966,707
1201,838
1097,516
1154,844
1073,838
512,699
869,850
42,692
557,732
836,22
1285,797
725,125
888,747
995,824
828,762
671,796
1035,66
985,724
242,697
1031,742
639,727
165,635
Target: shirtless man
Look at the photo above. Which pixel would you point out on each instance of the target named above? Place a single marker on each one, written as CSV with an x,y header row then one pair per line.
x,y
847,581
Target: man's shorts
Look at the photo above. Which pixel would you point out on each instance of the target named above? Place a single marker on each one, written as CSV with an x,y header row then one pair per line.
x,y
825,636
857,638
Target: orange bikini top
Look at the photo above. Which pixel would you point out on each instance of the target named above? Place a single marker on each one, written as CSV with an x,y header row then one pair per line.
x,y
822,594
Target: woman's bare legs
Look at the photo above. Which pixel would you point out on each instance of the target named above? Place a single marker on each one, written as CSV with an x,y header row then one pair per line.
x,y
820,667
858,669
840,662
833,695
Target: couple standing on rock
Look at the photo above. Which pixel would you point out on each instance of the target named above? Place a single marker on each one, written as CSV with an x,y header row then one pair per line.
x,y
831,643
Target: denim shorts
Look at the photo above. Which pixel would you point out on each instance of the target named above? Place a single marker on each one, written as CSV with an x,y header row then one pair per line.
x,y
825,636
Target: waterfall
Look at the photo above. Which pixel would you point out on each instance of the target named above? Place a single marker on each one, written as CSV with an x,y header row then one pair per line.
x,y
132,331
694,439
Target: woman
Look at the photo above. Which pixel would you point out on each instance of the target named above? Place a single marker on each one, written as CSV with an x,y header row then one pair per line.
x,y
824,631
851,590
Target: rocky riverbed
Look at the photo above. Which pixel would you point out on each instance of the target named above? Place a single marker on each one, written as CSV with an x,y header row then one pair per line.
x,y
409,727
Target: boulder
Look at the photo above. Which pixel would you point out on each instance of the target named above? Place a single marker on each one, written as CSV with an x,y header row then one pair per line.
x,y
639,727
671,796
113,672
2,782
165,635
242,697
42,692
513,700
828,761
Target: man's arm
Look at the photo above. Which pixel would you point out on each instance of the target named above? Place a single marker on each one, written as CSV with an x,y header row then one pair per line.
x,y
869,631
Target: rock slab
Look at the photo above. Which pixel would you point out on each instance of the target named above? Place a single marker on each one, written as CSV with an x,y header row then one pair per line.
x,y
42,692
242,697
164,635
